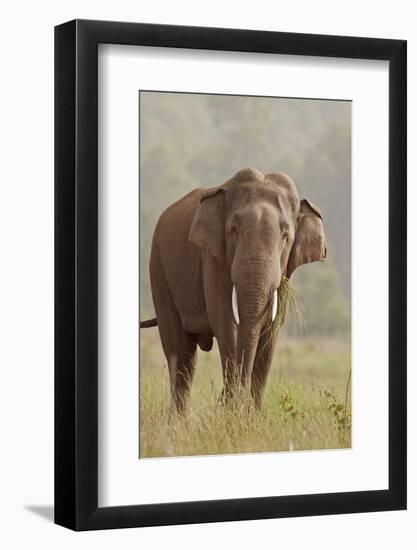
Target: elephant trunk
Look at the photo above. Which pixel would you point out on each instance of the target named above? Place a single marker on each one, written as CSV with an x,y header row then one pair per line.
x,y
250,303
247,344
255,274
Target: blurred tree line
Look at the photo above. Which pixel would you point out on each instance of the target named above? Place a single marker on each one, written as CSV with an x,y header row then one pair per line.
x,y
193,140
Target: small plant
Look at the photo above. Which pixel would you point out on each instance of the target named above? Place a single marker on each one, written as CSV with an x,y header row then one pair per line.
x,y
287,406
341,413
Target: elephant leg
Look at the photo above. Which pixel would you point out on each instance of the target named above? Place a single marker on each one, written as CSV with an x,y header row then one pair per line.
x,y
179,347
228,379
261,367
183,371
227,347
180,351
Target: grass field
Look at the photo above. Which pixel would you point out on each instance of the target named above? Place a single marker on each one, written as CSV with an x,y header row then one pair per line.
x,y
307,403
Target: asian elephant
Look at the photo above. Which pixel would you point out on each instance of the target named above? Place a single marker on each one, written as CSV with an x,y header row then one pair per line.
x,y
218,256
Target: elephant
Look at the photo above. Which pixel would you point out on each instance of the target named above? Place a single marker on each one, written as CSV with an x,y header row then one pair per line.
x,y
217,259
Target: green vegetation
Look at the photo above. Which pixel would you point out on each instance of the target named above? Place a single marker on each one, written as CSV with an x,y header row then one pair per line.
x,y
307,403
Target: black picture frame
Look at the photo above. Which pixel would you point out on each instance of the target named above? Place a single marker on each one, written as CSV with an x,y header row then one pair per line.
x,y
76,272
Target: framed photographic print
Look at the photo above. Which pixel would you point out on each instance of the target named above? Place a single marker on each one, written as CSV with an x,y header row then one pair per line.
x,y
230,252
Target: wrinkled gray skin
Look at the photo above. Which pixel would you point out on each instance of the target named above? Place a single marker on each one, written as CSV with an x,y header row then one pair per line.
x,y
248,232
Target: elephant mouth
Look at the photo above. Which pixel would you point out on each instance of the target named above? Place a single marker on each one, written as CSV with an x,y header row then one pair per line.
x,y
235,305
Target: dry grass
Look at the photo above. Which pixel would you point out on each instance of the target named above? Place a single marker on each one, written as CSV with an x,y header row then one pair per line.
x,y
307,403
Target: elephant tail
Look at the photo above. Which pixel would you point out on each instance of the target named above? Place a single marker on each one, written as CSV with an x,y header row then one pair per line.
x,y
149,323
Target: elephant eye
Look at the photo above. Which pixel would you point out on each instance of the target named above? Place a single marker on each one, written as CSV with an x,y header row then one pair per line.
x,y
284,235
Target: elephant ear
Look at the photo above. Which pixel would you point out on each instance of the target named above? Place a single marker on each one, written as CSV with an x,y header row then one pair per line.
x,y
309,242
207,228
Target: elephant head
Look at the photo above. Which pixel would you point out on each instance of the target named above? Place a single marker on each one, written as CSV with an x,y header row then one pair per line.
x,y
258,230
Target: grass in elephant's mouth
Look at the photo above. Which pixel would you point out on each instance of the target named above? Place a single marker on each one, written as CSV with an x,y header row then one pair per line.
x,y
287,303
306,404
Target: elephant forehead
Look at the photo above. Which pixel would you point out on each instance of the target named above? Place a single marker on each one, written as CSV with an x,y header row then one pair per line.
x,y
268,191
260,216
